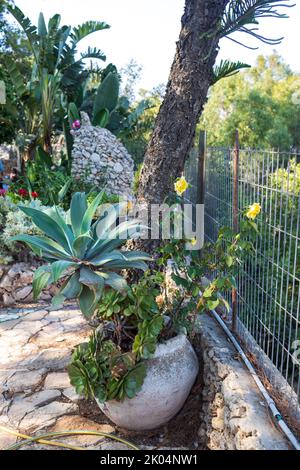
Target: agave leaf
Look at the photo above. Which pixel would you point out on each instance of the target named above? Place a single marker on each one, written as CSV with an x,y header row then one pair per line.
x,y
108,216
59,267
73,288
137,256
118,236
77,211
90,212
54,213
48,225
88,300
80,245
91,279
64,190
114,280
126,265
57,300
98,248
104,258
40,280
46,245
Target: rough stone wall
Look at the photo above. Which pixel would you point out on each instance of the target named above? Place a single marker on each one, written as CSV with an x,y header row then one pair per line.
x,y
99,158
16,284
234,414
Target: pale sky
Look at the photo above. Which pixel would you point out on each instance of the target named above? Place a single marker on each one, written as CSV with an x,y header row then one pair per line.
x,y
146,31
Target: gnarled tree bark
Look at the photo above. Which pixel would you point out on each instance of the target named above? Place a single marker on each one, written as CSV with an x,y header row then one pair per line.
x,y
190,78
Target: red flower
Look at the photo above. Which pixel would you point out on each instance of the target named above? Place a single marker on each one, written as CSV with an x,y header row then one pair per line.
x,y
2,192
34,194
23,192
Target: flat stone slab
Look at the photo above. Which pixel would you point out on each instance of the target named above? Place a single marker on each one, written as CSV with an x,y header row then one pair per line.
x,y
57,380
35,391
21,381
83,424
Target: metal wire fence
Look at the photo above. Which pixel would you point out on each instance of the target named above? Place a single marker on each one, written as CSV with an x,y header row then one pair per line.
x,y
268,288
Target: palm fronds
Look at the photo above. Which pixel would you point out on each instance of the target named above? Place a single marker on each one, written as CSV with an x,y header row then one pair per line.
x,y
226,69
243,15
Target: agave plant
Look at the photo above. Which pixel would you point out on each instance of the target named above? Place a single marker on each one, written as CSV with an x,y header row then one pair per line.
x,y
83,252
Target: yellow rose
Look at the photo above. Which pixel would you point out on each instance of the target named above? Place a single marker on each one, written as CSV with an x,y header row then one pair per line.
x,y
159,300
181,186
193,241
129,206
253,211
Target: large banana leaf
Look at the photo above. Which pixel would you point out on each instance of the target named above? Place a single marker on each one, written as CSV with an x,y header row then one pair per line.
x,y
29,29
87,28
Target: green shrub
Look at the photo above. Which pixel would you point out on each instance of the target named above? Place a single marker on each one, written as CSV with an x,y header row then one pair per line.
x,y
13,222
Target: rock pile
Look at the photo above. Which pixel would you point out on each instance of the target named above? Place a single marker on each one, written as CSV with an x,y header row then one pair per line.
x,y
99,158
16,284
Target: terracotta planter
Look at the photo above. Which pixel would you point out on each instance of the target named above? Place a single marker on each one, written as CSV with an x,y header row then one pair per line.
x,y
171,374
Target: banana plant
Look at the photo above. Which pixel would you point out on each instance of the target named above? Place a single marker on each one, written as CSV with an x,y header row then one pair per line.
x,y
107,108
106,99
82,253
56,70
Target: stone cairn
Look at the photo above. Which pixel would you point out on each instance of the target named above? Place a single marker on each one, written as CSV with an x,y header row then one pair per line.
x,y
100,159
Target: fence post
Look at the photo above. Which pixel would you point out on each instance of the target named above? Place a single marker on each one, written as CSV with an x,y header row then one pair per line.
x,y
201,168
235,208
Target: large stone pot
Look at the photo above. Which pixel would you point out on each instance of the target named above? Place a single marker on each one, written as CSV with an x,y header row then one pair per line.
x,y
171,374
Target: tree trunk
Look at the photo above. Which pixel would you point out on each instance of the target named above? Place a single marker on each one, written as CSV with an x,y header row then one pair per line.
x,y
186,93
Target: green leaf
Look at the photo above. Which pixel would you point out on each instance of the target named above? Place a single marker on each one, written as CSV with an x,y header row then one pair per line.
x,y
92,53
73,113
127,265
226,69
77,211
208,292
43,157
226,304
91,279
89,27
44,244
80,245
90,212
229,260
137,256
58,268
48,225
87,301
42,30
104,258
62,193
40,280
57,301
107,95
115,281
73,287
212,304
180,281
29,29
101,119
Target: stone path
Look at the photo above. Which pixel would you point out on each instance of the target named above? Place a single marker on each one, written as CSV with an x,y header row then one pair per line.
x,y
36,395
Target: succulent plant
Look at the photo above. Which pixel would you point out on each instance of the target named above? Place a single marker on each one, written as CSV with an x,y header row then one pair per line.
x,y
82,252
